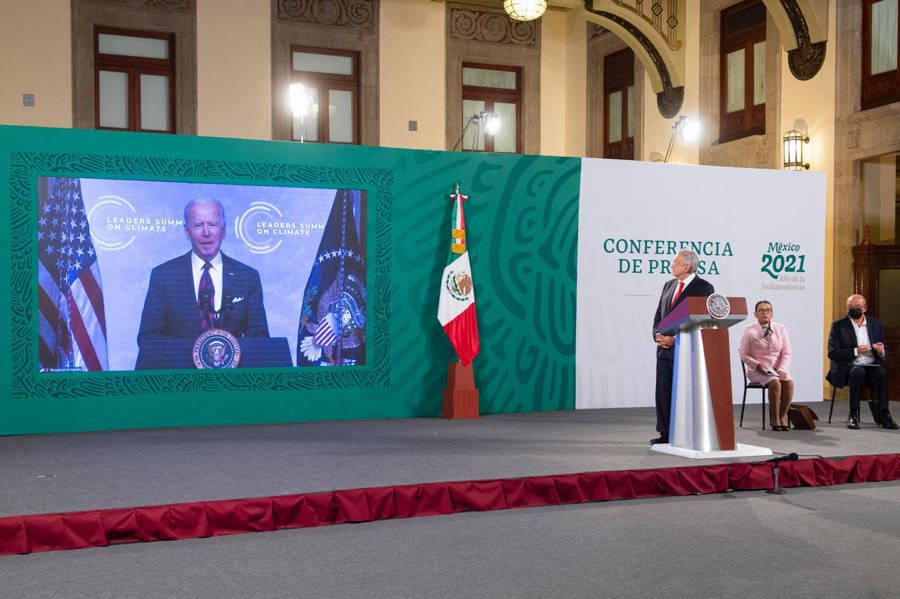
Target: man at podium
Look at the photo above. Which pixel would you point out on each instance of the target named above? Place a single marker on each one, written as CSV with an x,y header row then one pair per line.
x,y
203,289
685,284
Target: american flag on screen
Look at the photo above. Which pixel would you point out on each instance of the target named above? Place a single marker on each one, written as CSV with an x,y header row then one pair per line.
x,y
332,327
72,320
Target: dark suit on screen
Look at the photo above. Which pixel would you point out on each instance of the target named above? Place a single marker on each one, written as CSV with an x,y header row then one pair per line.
x,y
842,344
665,357
171,309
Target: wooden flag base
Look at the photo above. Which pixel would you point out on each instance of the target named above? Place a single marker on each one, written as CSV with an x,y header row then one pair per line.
x,y
460,394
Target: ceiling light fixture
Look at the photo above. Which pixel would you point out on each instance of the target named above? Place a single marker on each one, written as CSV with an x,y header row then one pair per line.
x,y
525,10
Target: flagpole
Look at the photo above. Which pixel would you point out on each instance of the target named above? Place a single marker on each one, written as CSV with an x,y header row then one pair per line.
x,y
456,313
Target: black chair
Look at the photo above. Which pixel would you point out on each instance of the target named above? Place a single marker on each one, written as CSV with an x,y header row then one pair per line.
x,y
831,409
865,396
762,388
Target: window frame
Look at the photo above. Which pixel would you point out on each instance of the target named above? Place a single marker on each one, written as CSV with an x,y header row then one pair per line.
x,y
883,88
490,95
618,75
134,67
323,82
751,120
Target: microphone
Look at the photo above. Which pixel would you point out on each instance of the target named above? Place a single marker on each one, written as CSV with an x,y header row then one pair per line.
x,y
791,457
225,310
205,302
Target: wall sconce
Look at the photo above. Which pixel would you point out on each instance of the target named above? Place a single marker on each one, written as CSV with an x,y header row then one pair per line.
x,y
795,151
524,10
688,130
490,120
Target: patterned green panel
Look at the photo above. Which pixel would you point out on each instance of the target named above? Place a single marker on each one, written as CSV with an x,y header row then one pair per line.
x,y
522,229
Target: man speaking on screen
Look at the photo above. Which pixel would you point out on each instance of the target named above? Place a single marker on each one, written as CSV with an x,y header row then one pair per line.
x,y
203,289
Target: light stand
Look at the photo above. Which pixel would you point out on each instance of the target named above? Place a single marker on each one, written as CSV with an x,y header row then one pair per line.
x,y
490,119
686,129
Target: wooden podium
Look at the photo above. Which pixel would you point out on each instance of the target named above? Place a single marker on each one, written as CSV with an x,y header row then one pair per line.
x,y
460,394
702,417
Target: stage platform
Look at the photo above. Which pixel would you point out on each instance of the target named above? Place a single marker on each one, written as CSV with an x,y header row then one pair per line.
x,y
47,474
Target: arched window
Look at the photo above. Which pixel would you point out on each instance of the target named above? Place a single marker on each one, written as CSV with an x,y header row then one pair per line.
x,y
331,80
497,90
618,91
880,75
134,66
742,93
134,80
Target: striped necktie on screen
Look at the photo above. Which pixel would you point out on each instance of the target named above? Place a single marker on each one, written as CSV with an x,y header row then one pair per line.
x,y
206,298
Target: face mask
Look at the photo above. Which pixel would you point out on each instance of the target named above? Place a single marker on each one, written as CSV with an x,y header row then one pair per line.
x,y
854,313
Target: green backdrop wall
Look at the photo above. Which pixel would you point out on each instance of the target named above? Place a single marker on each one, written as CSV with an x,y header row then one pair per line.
x,y
522,237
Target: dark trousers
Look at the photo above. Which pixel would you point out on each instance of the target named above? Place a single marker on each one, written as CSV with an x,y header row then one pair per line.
x,y
871,376
665,365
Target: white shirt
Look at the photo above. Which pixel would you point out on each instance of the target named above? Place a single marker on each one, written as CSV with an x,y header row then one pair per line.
x,y
687,281
689,278
862,338
215,271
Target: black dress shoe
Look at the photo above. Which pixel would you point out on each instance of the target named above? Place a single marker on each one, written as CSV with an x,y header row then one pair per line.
x,y
853,423
887,421
659,439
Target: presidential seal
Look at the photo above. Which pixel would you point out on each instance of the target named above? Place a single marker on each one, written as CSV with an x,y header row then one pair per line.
x,y
217,348
717,305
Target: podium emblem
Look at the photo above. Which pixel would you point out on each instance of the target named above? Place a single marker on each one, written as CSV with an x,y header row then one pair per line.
x,y
217,348
717,305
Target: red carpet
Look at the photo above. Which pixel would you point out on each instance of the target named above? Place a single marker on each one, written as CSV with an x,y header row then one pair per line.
x,y
98,528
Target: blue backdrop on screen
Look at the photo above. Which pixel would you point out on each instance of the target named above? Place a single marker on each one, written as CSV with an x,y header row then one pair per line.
x,y
133,226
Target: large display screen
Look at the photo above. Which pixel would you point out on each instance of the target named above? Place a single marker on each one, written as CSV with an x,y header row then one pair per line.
x,y
124,284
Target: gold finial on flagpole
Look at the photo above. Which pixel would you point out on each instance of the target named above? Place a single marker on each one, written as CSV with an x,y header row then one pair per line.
x,y
457,188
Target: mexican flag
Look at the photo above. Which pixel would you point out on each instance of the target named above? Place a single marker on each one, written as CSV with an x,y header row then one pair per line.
x,y
456,308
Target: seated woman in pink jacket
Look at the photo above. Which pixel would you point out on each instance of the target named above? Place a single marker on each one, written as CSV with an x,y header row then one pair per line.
x,y
766,354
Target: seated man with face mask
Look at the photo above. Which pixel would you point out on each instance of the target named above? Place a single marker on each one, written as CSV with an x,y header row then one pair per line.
x,y
856,350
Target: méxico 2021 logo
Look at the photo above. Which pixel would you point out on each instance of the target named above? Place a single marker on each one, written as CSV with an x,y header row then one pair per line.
x,y
781,257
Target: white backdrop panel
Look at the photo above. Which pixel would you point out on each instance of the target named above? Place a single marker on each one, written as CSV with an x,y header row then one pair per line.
x,y
760,234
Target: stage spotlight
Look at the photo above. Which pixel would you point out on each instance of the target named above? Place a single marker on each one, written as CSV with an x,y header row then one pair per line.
x,y
489,120
686,129
301,103
690,130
